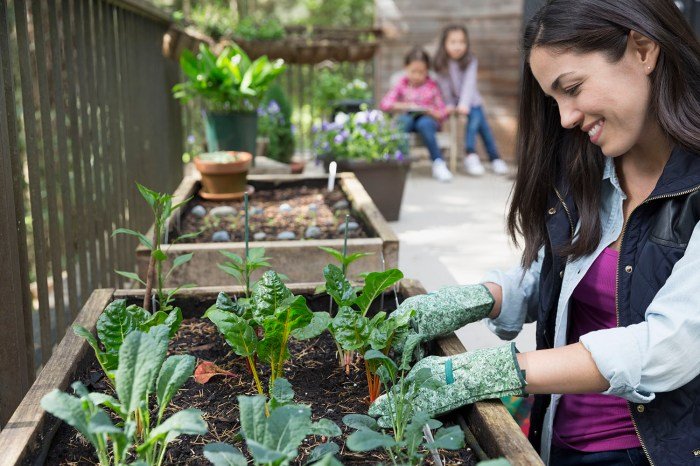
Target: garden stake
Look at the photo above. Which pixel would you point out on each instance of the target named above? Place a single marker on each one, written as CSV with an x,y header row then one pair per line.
x,y
150,275
348,356
429,437
247,232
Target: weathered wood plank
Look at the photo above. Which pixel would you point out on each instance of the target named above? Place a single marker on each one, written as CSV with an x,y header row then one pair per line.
x,y
29,426
491,423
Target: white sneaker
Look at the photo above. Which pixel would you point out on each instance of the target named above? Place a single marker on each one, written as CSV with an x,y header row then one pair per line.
x,y
440,171
473,166
499,167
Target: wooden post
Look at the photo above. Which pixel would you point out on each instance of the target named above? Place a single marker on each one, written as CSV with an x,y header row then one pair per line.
x,y
16,350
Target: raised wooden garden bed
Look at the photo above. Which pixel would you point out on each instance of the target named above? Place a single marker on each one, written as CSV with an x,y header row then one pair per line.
x,y
31,434
301,260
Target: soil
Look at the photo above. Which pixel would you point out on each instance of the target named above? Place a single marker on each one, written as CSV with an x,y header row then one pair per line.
x,y
270,220
312,370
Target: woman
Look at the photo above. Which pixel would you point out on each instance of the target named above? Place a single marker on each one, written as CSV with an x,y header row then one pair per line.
x,y
607,199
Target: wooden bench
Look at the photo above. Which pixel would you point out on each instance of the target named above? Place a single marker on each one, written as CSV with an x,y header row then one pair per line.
x,y
449,141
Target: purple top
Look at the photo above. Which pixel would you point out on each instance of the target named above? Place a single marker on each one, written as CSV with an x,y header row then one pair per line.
x,y
594,422
458,86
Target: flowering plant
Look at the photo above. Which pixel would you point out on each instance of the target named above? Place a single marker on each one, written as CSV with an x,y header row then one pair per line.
x,y
274,122
367,135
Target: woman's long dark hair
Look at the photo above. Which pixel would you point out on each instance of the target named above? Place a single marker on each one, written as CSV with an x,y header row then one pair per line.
x,y
441,57
546,151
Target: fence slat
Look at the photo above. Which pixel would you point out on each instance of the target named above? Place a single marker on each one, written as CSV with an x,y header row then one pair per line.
x,y
47,136
16,352
33,168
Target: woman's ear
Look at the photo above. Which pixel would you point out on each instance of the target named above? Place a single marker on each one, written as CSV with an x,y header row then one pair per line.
x,y
645,51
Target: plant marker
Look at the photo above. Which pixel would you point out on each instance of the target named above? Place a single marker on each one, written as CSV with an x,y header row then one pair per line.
x,y
332,169
433,451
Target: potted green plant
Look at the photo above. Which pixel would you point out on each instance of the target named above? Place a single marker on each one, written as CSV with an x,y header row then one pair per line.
x,y
370,145
275,124
224,174
231,87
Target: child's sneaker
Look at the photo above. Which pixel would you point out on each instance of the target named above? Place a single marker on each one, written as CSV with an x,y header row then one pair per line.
x,y
440,171
473,166
499,167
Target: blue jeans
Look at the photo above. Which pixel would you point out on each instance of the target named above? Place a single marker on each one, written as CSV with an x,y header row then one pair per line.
x,y
567,457
477,124
427,127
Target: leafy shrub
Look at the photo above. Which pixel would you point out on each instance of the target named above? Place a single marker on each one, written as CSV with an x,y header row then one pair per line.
x,y
275,123
260,28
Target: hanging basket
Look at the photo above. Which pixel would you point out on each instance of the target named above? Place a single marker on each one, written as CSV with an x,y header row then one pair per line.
x,y
303,47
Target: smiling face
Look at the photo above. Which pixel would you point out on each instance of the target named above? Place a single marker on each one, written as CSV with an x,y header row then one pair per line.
x,y
609,101
417,72
456,44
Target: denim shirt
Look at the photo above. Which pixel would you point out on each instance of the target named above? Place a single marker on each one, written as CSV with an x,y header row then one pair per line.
x,y
659,354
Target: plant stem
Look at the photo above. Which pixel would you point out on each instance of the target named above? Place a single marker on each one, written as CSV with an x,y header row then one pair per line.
x,y
258,385
245,258
150,273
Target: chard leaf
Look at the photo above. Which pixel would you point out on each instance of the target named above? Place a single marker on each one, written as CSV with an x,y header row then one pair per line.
x,y
338,286
291,315
350,329
237,332
173,373
137,370
322,451
375,284
224,303
319,322
223,454
114,324
366,440
92,341
360,421
325,427
70,410
188,421
253,419
287,427
376,358
448,438
270,293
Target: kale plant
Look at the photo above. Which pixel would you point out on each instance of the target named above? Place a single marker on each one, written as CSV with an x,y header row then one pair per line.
x,y
406,444
274,439
143,370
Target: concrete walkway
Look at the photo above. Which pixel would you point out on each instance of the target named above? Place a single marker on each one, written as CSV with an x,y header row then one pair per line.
x,y
453,233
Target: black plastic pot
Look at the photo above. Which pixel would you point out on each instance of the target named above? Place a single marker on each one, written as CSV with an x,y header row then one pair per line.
x,y
231,131
384,181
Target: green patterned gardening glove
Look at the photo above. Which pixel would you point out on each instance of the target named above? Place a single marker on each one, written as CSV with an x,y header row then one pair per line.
x,y
459,380
440,313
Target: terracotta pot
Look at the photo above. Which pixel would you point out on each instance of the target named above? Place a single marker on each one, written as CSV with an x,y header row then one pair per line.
x,y
297,166
224,180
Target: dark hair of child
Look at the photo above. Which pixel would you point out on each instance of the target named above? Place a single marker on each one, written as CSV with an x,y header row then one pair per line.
x,y
441,57
417,54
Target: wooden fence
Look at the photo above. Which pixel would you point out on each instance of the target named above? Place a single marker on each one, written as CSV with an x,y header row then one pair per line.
x,y
86,111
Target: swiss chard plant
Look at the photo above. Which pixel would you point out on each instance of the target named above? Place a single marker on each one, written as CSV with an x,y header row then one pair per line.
x,y
162,207
143,371
411,432
274,439
116,322
260,330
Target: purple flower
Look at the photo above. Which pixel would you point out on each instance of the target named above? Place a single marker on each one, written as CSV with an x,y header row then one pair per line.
x,y
345,133
361,118
398,155
191,139
261,112
338,139
273,107
294,129
374,115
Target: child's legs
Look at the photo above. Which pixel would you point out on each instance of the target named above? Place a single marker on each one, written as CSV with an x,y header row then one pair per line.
x,y
405,122
487,136
427,127
472,129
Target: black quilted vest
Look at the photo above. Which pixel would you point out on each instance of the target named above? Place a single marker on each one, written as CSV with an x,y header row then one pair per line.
x,y
654,239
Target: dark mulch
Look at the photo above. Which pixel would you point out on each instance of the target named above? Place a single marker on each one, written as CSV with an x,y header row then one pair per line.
x,y
271,221
312,370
